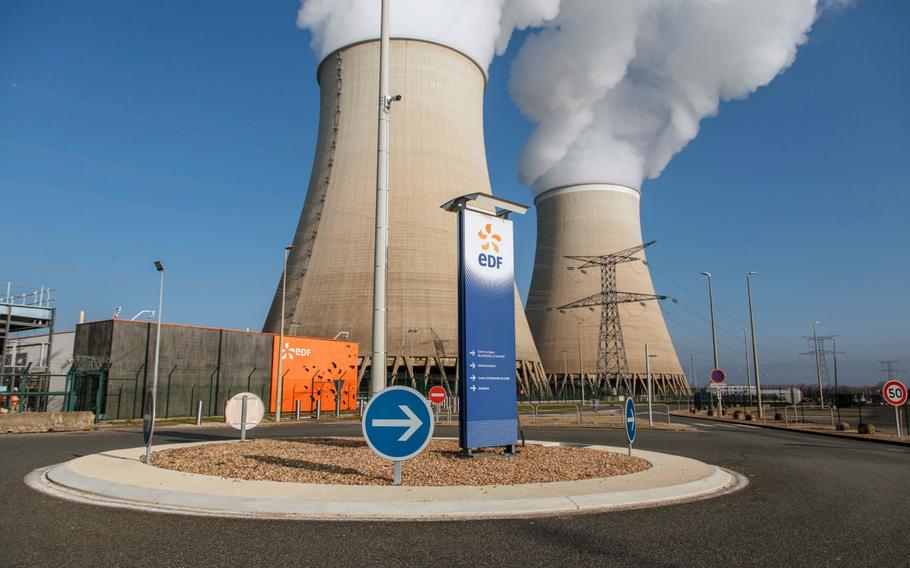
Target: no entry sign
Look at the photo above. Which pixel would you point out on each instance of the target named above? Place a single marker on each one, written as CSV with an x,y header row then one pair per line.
x,y
437,394
718,375
895,393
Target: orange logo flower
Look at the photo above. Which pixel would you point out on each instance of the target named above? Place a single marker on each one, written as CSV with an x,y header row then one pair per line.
x,y
491,238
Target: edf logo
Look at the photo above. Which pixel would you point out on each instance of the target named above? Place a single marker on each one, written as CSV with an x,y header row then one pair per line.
x,y
490,239
489,260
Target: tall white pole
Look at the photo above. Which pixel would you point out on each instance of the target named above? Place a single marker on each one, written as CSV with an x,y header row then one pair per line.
x,y
148,448
581,367
818,365
713,338
284,288
381,250
746,358
761,410
648,373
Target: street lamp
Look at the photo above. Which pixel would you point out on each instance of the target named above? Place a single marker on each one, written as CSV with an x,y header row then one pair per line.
x,y
284,286
154,394
761,410
648,373
713,333
818,364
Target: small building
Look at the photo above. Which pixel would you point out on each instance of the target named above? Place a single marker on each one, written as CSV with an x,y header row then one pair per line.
x,y
792,395
199,364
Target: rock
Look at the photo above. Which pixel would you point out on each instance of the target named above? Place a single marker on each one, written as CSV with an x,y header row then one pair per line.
x,y
864,428
739,415
750,416
842,426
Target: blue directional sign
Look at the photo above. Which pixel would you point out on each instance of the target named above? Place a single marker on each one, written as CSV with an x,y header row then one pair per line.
x,y
486,332
630,421
148,416
398,423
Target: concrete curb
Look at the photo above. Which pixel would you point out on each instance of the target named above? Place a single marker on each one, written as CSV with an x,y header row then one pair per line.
x,y
118,479
840,435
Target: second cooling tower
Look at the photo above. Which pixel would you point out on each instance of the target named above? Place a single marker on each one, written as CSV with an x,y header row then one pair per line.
x,y
437,153
591,220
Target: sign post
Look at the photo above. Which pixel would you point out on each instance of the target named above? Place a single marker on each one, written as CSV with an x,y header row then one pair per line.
x,y
244,412
488,413
397,425
718,376
895,393
630,422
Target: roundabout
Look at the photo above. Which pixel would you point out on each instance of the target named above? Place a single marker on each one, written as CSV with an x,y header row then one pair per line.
x,y
120,479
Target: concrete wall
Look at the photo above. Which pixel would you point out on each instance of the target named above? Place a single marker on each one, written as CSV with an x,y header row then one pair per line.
x,y
437,153
593,220
20,422
196,363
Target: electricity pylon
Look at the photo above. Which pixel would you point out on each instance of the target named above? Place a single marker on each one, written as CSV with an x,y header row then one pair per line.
x,y
612,365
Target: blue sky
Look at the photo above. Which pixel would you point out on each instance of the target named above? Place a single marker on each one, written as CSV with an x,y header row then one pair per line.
x,y
185,130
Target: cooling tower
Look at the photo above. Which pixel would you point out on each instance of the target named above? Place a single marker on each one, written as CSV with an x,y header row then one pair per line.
x,y
593,220
437,153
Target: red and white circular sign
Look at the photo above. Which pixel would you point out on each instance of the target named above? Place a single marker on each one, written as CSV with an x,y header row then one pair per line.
x,y
437,394
894,393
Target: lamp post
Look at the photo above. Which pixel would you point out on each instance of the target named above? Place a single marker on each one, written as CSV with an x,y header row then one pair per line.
x,y
381,242
581,367
748,374
761,410
713,333
818,364
836,400
284,289
148,448
648,373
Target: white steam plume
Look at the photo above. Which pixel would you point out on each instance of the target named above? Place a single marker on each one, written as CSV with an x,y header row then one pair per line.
x,y
618,87
478,28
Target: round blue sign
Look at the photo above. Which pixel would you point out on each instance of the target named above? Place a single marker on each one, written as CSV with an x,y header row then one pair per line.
x,y
718,375
398,423
148,416
630,420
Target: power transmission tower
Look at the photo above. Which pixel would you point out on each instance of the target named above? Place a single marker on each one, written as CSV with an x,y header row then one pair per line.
x,y
612,365
823,353
889,371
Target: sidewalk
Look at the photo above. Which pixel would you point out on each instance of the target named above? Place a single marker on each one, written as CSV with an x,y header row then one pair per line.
x,y
803,428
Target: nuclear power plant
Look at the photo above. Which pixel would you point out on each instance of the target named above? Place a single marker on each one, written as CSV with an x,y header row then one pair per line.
x,y
437,154
594,219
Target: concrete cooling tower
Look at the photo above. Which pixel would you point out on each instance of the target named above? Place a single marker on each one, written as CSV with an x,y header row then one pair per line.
x,y
437,153
592,220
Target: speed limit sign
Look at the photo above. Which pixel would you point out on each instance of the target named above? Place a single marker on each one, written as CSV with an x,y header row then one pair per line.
x,y
894,393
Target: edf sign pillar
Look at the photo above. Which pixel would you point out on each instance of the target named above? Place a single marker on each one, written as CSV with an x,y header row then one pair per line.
x,y
488,414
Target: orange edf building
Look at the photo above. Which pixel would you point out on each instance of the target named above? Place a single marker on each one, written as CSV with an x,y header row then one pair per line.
x,y
311,367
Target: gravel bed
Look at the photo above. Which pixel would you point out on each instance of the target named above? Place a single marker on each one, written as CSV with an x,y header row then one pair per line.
x,y
348,461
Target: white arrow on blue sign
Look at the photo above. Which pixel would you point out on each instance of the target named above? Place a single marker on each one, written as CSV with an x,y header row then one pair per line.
x,y
630,420
398,423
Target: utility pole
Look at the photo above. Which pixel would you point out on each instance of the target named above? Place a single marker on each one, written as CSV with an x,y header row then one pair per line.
x,y
713,337
381,243
284,286
581,367
889,371
748,375
818,364
761,410
648,373
834,352
692,367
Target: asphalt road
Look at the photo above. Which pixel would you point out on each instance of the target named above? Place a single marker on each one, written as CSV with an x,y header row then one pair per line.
x,y
812,501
